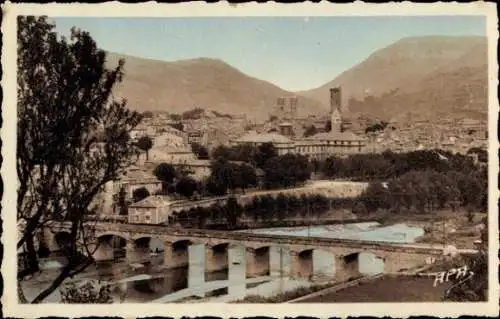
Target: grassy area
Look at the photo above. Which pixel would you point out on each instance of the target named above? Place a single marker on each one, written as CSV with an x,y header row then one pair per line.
x,y
387,289
283,297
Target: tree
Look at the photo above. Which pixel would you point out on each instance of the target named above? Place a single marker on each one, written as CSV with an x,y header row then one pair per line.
x,y
474,288
359,209
200,151
166,173
286,171
73,138
223,175
310,131
177,125
233,212
221,151
139,194
186,186
328,126
122,202
248,176
264,152
145,143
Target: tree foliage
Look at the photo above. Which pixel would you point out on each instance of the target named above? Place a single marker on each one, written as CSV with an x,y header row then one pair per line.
x,y
145,143
166,173
200,151
73,138
226,175
177,125
263,209
122,202
328,126
89,292
476,287
264,152
139,194
186,186
288,170
310,131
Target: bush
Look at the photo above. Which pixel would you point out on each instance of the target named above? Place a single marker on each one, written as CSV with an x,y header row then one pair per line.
x,y
359,209
90,292
140,193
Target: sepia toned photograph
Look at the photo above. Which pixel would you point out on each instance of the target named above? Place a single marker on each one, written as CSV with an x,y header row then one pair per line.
x,y
334,159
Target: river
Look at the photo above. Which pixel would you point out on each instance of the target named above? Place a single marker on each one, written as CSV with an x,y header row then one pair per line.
x,y
153,284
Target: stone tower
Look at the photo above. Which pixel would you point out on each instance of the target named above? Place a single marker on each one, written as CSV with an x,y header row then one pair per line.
x,y
335,109
286,108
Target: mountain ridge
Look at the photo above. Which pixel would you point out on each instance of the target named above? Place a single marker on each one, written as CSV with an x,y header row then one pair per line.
x,y
411,74
177,86
404,67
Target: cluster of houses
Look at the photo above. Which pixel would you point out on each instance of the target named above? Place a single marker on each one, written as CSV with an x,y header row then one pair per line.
x,y
338,141
173,146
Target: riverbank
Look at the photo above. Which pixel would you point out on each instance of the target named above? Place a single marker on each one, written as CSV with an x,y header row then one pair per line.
x,y
389,288
441,227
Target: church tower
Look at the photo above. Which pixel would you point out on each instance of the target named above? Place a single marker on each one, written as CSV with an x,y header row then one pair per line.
x,y
335,112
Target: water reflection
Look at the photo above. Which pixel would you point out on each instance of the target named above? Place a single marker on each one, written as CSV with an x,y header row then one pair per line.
x,y
164,283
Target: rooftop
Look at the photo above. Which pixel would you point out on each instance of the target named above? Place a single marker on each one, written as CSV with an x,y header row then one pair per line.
x,y
335,136
136,174
153,202
254,137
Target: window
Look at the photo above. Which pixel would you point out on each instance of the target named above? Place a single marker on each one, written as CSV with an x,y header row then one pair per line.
x,y
147,218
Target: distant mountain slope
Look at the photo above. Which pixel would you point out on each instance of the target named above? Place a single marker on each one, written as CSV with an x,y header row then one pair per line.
x,y
205,83
421,75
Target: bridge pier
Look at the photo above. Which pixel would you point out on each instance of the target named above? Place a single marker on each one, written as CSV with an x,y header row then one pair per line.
x,y
175,255
196,268
236,272
323,265
138,251
279,261
104,251
347,267
257,261
302,264
216,257
400,261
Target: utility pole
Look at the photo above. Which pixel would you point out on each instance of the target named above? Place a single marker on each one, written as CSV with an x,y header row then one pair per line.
x,y
281,271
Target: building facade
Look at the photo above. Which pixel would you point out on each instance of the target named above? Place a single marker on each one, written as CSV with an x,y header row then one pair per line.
x,y
336,142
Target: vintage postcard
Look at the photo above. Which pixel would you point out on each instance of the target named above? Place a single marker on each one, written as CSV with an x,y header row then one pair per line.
x,y
253,159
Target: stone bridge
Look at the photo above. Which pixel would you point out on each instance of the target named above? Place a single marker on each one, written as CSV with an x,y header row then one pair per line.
x,y
260,254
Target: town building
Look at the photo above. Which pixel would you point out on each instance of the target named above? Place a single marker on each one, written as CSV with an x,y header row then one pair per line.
x,y
157,209
286,108
195,136
151,210
337,142
137,178
283,144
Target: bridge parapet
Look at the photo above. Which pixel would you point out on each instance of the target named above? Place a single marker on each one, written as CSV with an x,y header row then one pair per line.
x,y
207,235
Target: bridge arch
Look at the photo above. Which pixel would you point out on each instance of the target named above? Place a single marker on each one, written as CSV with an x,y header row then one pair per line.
x,y
216,257
109,234
258,260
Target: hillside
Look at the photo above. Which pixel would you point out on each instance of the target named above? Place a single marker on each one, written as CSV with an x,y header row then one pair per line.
x,y
205,83
422,75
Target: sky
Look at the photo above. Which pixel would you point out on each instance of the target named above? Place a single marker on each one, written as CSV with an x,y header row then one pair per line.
x,y
295,53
